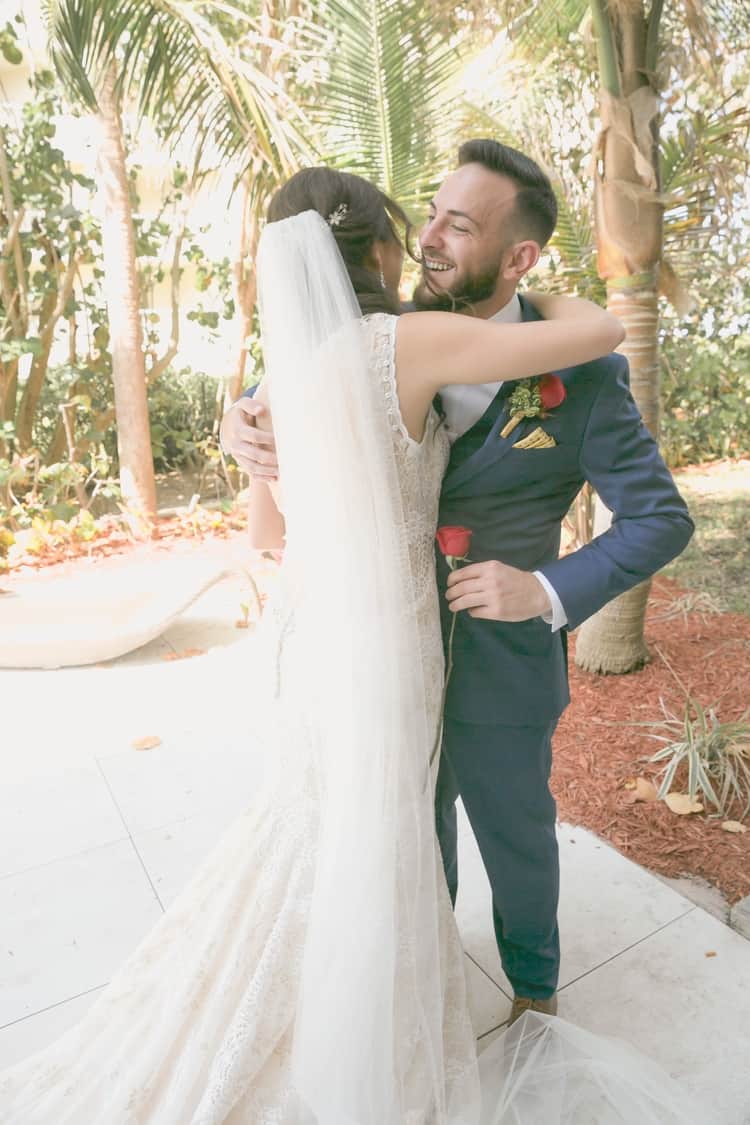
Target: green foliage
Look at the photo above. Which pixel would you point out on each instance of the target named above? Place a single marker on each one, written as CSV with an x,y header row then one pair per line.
x,y
57,223
182,407
705,397
48,191
33,494
717,560
715,755
9,48
86,387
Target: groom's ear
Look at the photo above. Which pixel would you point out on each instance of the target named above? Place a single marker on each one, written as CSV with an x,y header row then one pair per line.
x,y
521,258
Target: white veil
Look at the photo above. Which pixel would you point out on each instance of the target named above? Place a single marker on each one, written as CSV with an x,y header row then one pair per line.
x,y
347,564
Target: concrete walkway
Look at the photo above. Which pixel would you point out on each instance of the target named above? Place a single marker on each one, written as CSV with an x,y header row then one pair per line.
x,y
96,839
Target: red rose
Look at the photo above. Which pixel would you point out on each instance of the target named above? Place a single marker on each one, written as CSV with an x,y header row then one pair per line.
x,y
454,541
551,391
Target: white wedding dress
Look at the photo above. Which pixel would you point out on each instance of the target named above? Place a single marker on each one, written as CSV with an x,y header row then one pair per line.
x,y
273,992
196,1028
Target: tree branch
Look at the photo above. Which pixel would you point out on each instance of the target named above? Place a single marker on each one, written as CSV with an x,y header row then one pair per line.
x,y
48,318
159,366
64,293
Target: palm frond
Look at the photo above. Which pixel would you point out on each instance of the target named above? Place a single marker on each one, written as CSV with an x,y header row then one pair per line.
x,y
575,244
172,57
537,29
383,97
702,164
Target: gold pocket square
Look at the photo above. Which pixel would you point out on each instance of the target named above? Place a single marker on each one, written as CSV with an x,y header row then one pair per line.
x,y
537,439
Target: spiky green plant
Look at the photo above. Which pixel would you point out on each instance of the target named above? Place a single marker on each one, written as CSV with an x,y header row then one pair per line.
x,y
716,755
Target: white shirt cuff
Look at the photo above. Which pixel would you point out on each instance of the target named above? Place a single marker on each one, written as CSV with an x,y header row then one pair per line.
x,y
556,617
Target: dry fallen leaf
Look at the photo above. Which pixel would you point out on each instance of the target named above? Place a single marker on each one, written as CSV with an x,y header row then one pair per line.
x,y
682,804
643,790
147,743
733,826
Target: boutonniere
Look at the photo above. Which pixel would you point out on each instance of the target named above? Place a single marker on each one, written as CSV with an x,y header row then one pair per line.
x,y
533,398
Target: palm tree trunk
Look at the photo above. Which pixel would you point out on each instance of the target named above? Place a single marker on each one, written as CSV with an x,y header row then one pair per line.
x,y
613,641
123,309
629,244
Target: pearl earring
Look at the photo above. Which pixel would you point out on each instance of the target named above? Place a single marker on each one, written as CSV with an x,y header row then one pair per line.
x,y
382,279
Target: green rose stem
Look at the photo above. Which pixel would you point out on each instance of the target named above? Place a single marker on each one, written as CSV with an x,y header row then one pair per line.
x,y
452,562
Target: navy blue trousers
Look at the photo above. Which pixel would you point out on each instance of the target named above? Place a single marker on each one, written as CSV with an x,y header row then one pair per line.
x,y
502,776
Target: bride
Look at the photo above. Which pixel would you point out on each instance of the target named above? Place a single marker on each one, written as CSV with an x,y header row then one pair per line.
x,y
311,973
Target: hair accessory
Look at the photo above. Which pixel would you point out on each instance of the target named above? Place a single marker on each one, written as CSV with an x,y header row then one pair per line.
x,y
337,217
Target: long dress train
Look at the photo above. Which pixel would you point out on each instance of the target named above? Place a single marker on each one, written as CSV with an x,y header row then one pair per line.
x,y
197,1027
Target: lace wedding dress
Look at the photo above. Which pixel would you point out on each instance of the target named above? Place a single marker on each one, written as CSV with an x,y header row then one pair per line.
x,y
197,1027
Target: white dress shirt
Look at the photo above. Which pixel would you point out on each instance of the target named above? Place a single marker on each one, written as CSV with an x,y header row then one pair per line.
x,y
464,404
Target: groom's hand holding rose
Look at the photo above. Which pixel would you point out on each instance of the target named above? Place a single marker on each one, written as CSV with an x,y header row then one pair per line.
x,y
497,592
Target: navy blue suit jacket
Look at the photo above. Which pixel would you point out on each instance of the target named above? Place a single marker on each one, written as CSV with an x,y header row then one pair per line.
x,y
514,500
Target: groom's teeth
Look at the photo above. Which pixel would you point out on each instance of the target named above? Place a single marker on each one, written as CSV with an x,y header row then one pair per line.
x,y
439,266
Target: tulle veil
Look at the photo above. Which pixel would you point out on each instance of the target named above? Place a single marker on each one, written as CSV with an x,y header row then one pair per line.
x,y
347,563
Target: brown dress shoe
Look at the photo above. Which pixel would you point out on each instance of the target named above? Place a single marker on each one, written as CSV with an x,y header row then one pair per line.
x,y
523,1004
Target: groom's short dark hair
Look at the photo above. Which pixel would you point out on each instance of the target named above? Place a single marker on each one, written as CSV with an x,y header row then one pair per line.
x,y
536,206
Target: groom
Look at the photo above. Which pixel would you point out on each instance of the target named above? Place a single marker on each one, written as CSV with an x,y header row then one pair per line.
x,y
508,688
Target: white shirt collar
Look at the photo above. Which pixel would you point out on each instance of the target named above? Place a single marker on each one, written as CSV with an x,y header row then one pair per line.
x,y
510,313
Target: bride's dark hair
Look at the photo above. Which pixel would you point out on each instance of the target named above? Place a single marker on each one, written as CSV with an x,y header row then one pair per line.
x,y
365,215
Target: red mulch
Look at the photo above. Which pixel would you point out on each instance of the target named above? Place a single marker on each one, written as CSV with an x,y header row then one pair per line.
x,y
597,751
113,538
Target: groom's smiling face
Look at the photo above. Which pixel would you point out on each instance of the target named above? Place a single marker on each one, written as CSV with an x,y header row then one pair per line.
x,y
472,250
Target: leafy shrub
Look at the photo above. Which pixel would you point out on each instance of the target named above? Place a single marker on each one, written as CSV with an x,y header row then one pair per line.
x,y
705,398
182,408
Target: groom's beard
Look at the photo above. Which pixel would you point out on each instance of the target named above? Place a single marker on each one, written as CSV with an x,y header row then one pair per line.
x,y
469,292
